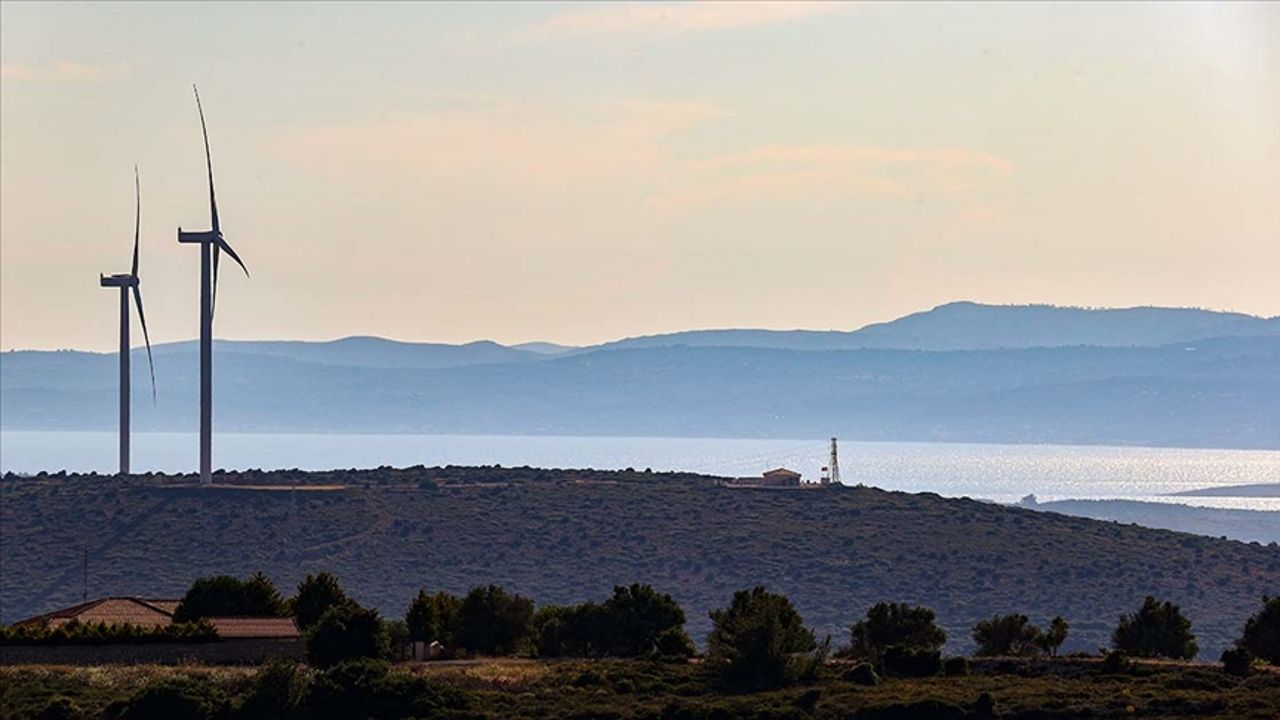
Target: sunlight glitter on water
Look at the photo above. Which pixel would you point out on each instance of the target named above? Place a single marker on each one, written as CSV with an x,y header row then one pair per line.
x,y
1003,473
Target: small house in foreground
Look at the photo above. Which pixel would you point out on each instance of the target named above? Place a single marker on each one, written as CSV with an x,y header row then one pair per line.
x,y
110,611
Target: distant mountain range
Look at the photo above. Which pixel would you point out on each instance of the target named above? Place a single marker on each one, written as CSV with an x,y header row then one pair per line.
x,y
973,326
960,372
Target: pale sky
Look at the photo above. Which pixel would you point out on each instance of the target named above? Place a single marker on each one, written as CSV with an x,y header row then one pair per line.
x,y
578,173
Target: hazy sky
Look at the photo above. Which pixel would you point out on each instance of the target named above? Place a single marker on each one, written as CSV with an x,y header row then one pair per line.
x,y
580,172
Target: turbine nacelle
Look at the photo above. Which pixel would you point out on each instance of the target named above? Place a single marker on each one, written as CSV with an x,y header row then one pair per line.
x,y
118,280
199,236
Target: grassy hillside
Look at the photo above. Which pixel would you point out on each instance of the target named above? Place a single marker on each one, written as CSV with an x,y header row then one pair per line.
x,y
568,536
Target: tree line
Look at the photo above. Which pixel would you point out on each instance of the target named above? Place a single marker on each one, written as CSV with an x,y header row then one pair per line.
x,y
759,640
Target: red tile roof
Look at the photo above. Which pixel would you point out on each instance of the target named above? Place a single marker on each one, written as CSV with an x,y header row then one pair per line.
x,y
255,627
112,611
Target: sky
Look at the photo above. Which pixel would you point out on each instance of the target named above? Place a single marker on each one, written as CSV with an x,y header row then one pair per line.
x,y
578,173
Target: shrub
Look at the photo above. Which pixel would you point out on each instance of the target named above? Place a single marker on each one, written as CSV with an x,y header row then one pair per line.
x,y
346,632
278,689
1006,635
752,640
178,698
433,617
316,594
674,644
1116,663
366,688
1237,661
889,624
494,622
349,689
1156,630
59,708
78,633
902,661
984,707
226,596
1262,631
955,666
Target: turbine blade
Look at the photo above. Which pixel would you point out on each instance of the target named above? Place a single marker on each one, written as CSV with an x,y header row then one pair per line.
x,y
208,162
137,299
137,220
227,249
213,293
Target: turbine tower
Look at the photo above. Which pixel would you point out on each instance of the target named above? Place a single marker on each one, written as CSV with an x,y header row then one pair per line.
x,y
129,282
212,245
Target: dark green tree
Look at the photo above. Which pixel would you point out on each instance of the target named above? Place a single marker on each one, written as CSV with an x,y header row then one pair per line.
x,y
433,617
346,632
636,616
227,596
753,641
316,594
570,630
1156,630
492,621
889,624
1007,635
1052,639
1262,631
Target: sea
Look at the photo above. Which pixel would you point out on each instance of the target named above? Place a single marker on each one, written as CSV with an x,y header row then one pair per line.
x,y
1000,473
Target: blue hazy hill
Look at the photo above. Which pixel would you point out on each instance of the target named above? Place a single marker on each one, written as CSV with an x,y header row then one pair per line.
x,y
1222,392
364,351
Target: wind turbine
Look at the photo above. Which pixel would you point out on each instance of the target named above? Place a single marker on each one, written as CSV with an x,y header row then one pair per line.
x,y
126,282
212,245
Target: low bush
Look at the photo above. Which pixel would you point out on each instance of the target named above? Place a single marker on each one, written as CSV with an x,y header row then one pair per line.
x,y
984,708
78,633
179,698
59,708
278,689
366,688
955,666
1237,661
1117,662
900,661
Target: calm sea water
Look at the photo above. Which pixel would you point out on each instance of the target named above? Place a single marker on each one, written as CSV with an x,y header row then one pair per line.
x,y
1003,473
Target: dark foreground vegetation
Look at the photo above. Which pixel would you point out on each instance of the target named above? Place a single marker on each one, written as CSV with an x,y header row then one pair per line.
x,y
565,537
624,690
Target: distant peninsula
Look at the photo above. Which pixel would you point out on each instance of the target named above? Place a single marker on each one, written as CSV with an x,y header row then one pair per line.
x,y
1258,490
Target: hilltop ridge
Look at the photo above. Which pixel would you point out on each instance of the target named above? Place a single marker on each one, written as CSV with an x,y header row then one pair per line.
x,y
569,535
